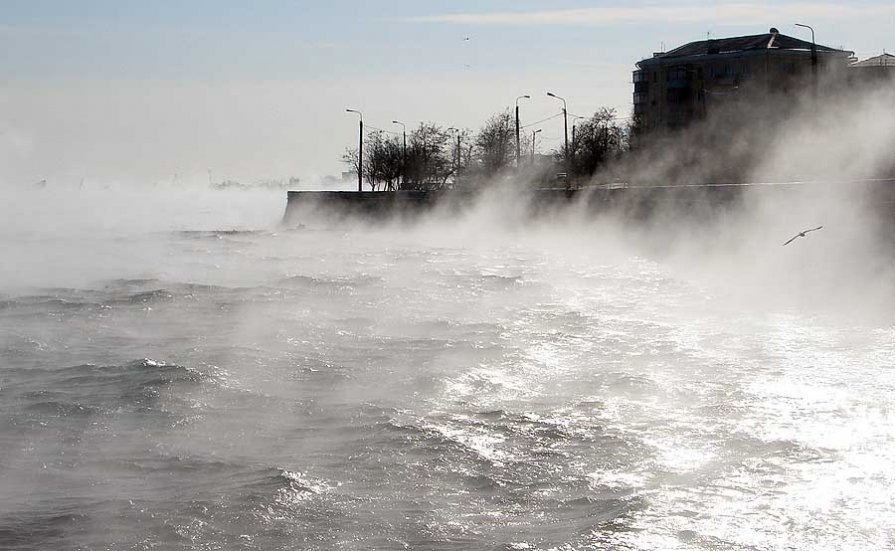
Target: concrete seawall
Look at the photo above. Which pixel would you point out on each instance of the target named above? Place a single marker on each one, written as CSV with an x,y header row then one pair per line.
x,y
630,202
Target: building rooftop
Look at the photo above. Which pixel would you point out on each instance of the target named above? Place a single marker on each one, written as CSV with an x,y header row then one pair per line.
x,y
884,60
770,40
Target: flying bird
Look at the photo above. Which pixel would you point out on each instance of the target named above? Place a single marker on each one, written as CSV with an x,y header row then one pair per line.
x,y
801,234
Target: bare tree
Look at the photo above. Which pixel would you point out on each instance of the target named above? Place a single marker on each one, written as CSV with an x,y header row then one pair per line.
x,y
598,140
495,143
383,161
429,162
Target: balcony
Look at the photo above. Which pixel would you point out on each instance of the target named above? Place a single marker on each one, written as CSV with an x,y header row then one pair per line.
x,y
678,83
679,95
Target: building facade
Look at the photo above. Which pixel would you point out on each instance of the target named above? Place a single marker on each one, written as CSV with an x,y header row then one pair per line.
x,y
874,70
673,89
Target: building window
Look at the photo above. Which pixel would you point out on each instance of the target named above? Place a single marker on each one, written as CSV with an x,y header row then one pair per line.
x,y
677,74
678,95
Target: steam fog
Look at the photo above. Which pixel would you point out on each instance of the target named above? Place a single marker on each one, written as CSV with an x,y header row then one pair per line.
x,y
182,371
168,132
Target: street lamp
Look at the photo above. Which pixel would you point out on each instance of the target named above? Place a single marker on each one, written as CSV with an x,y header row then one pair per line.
x,y
518,150
813,56
574,146
565,118
360,151
403,151
459,135
404,132
534,134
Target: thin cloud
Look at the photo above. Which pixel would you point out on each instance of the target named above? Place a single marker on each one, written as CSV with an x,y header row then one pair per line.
x,y
736,13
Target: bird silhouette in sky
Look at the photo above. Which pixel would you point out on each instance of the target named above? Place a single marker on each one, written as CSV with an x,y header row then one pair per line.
x,y
801,234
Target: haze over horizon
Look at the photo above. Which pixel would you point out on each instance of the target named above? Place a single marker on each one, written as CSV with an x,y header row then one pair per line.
x,y
135,93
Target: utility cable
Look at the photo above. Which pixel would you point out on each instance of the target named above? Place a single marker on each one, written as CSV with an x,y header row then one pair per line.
x,y
540,121
368,128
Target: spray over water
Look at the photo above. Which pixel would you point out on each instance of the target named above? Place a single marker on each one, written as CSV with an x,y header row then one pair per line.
x,y
180,371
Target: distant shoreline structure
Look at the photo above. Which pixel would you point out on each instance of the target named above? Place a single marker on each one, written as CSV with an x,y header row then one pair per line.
x,y
636,202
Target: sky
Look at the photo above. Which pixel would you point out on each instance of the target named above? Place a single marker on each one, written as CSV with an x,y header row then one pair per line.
x,y
127,91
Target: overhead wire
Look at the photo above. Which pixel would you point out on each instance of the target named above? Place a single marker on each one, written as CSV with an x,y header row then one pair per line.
x,y
540,121
615,118
370,127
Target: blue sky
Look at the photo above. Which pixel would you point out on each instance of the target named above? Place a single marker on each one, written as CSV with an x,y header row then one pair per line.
x,y
259,88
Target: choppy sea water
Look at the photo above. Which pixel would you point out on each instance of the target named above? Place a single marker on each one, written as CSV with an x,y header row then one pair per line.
x,y
182,373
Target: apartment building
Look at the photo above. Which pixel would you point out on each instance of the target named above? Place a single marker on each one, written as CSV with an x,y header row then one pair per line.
x,y
672,89
874,70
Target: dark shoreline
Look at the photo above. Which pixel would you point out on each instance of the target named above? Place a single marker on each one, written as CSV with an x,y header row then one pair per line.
x,y
631,202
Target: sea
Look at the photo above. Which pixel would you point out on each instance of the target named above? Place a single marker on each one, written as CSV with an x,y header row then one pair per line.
x,y
180,370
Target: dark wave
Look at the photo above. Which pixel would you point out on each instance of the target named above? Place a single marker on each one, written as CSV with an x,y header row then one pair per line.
x,y
46,303
123,292
302,281
176,464
148,297
208,477
499,283
138,373
627,383
221,235
62,409
38,529
126,283
84,391
169,293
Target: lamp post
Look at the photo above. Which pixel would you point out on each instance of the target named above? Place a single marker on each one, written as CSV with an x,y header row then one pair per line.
x,y
518,147
534,134
360,150
403,150
459,152
457,133
813,57
565,118
571,171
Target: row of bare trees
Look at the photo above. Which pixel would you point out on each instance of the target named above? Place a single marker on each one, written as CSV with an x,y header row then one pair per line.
x,y
599,141
437,158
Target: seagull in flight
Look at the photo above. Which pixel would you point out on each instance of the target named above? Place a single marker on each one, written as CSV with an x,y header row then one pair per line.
x,y
801,234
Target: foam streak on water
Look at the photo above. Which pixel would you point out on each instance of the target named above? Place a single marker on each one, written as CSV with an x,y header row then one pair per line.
x,y
333,387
